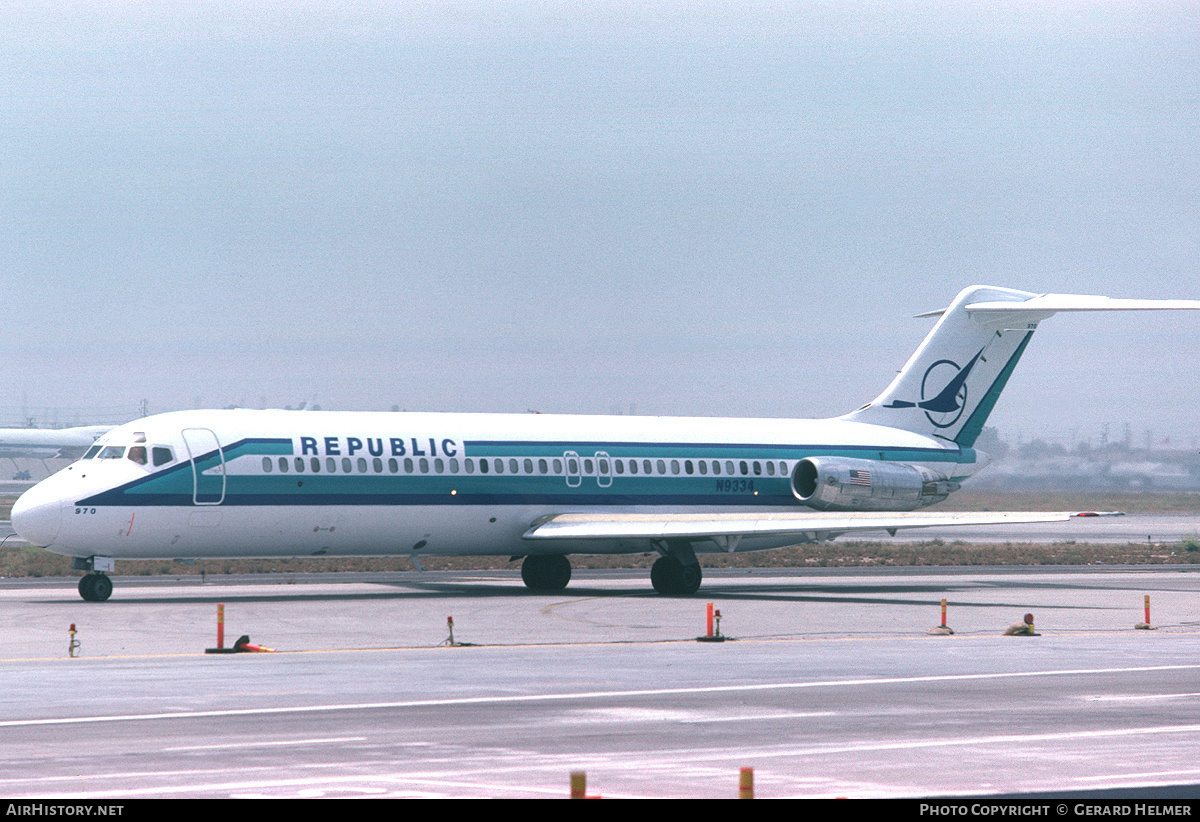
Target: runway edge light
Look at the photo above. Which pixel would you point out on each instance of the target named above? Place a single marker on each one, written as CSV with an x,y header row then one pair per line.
x,y
1023,628
712,634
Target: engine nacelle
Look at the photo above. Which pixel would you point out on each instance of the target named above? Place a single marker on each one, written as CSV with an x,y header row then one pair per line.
x,y
844,484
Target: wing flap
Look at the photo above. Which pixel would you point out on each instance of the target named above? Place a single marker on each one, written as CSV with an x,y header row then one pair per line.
x,y
708,526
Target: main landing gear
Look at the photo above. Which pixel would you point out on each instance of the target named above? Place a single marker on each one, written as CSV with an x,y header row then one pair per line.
x,y
549,572
676,573
670,576
95,587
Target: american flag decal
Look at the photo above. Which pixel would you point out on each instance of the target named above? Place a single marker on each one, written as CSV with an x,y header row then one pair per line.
x,y
862,478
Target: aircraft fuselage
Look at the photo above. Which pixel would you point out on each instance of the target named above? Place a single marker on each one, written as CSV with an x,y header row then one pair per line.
x,y
245,483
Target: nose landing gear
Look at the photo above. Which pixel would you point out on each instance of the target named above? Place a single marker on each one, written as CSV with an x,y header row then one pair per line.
x,y
95,587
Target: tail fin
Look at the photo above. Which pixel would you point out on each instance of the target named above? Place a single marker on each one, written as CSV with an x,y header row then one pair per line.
x,y
950,385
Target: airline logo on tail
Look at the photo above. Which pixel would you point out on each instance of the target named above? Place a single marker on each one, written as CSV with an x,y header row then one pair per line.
x,y
945,407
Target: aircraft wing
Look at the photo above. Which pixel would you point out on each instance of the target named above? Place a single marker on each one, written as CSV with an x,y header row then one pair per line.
x,y
807,527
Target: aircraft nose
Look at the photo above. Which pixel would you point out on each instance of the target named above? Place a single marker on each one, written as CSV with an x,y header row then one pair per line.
x,y
36,517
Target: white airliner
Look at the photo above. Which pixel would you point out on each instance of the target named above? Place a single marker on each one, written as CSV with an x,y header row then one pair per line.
x,y
46,443
245,483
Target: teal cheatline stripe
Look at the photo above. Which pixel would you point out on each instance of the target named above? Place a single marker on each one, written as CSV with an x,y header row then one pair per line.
x,y
259,445
974,425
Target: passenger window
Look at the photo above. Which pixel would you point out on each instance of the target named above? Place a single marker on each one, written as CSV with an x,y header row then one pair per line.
x,y
266,465
283,465
331,465
346,465
377,464
316,465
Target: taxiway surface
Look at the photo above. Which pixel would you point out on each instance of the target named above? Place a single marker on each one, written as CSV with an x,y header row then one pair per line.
x,y
832,686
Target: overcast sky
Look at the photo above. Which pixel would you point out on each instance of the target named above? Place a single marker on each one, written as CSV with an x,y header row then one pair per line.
x,y
666,207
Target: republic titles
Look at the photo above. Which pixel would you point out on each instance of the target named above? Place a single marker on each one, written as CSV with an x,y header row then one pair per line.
x,y
378,446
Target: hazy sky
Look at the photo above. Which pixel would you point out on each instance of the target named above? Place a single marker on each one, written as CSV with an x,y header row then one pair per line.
x,y
675,207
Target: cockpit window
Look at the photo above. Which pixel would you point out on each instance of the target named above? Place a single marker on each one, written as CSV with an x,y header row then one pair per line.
x,y
137,453
162,455
111,452
92,452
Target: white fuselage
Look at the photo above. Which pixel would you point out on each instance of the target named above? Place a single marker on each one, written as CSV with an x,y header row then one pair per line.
x,y
245,483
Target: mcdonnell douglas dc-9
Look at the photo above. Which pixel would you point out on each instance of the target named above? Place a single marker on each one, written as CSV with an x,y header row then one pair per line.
x,y
251,483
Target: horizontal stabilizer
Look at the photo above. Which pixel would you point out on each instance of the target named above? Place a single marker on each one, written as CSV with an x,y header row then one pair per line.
x,y
1044,305
1054,303
950,385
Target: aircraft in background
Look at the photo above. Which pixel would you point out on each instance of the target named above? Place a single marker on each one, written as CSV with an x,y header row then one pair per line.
x,y
248,483
48,443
